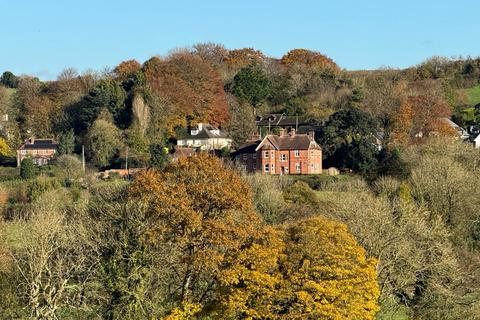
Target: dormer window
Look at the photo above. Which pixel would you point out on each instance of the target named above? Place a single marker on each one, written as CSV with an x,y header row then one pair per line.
x,y
194,132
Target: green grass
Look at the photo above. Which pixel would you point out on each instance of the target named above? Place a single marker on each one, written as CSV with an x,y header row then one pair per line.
x,y
473,95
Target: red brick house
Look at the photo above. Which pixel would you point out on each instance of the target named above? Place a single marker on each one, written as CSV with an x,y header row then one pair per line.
x,y
41,151
283,154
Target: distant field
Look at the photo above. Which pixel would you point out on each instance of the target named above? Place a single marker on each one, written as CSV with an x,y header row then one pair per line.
x,y
473,95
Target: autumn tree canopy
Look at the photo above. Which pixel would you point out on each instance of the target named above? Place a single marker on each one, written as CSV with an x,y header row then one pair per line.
x,y
309,58
190,86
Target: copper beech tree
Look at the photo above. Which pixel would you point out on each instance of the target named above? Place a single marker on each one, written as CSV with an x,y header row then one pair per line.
x,y
191,88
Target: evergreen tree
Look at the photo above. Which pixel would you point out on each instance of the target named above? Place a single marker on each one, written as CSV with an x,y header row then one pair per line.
x,y
251,84
66,143
27,169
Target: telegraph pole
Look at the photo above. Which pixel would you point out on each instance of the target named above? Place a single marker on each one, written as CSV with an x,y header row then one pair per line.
x,y
83,158
126,163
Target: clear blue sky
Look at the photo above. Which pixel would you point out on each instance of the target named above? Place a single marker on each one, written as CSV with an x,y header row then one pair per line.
x,y
41,37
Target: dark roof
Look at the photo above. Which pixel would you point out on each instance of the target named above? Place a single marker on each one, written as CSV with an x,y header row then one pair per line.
x,y
207,132
292,142
40,144
278,119
248,147
287,142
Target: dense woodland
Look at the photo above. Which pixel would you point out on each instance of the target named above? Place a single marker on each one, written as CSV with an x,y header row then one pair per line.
x,y
397,236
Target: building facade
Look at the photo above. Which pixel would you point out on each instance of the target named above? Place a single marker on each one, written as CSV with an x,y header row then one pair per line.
x,y
205,137
41,151
282,154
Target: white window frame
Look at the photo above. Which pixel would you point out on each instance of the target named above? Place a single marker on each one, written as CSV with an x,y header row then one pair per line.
x,y
298,167
283,157
266,168
296,153
254,166
272,154
265,154
245,157
254,156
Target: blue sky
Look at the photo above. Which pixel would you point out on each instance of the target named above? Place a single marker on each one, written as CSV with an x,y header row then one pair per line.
x,y
43,37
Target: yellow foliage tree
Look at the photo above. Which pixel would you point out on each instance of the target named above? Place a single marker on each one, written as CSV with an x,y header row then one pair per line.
x,y
5,149
250,285
326,273
312,269
225,264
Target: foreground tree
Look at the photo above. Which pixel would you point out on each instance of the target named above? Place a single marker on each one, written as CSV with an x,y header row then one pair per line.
x,y
310,269
54,259
328,274
202,212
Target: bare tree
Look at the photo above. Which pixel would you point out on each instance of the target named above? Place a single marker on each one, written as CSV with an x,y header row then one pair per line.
x,y
54,258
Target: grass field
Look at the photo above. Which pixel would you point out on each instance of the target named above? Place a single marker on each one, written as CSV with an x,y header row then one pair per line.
x,y
473,95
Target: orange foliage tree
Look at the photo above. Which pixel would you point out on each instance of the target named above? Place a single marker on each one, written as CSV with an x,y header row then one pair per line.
x,y
402,124
240,58
224,263
204,213
309,58
426,112
126,69
190,86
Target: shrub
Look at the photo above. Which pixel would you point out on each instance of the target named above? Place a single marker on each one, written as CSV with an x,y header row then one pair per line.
x,y
27,169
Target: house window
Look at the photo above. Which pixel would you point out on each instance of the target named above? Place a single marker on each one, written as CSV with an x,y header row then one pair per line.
x,y
245,157
273,154
297,167
283,157
24,151
265,154
267,167
273,167
254,156
254,166
296,153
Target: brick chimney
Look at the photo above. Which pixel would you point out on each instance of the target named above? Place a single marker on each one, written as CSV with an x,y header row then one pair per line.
x,y
311,135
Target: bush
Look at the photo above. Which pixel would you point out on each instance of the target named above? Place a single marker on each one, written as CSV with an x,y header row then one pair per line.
x,y
27,169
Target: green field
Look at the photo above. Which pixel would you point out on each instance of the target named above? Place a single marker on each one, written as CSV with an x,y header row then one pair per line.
x,y
473,95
